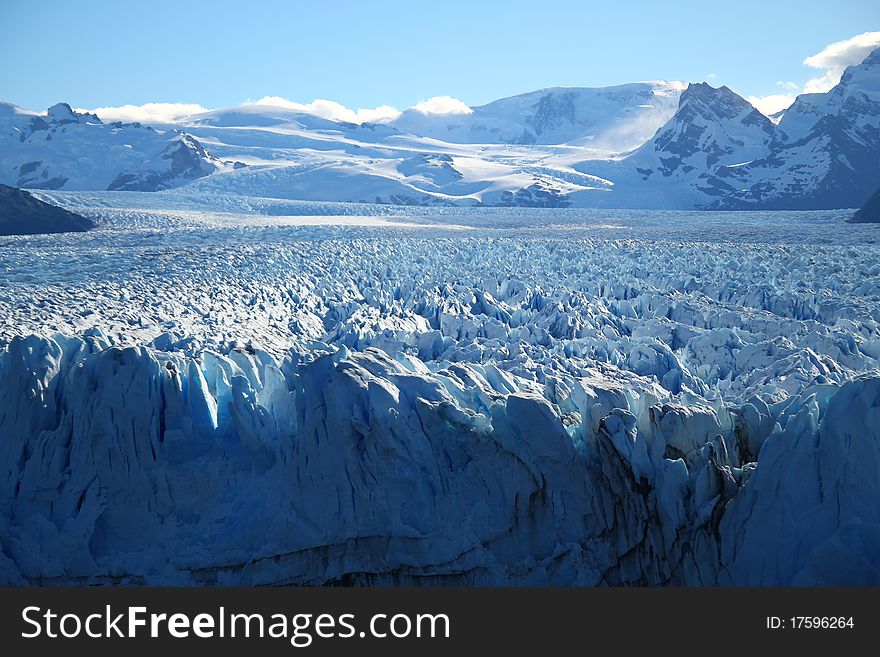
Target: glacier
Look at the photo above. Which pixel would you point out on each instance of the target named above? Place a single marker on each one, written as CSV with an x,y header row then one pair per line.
x,y
221,390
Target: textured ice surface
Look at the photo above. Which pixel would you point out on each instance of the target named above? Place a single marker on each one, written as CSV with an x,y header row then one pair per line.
x,y
211,390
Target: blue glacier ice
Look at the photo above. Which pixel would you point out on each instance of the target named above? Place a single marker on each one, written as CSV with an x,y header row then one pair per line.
x,y
192,397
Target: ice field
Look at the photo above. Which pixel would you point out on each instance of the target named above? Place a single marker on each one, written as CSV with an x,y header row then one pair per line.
x,y
212,389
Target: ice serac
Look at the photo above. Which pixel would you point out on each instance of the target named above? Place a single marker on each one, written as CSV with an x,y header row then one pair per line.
x,y
57,150
815,491
138,465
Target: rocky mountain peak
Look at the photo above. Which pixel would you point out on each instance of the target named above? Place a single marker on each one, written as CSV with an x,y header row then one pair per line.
x,y
702,99
64,113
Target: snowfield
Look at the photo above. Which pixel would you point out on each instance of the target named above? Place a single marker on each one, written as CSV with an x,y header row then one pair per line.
x,y
212,389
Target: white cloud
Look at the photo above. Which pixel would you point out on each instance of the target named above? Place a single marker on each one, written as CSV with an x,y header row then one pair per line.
x,y
147,113
833,59
327,109
442,105
771,104
788,86
711,76
330,109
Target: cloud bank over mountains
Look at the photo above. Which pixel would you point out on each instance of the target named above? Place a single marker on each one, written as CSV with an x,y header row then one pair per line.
x,y
147,113
830,63
326,109
330,109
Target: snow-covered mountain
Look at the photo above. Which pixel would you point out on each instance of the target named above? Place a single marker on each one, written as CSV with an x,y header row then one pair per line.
x,y
615,118
717,151
712,128
282,120
825,152
64,149
295,155
642,145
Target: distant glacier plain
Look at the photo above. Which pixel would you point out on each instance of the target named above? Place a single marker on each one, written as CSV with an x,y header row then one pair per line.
x,y
222,390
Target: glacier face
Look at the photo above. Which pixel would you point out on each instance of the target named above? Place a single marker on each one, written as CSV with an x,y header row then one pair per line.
x,y
217,390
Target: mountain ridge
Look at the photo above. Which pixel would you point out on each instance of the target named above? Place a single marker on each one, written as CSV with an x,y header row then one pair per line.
x,y
718,152
587,116
78,151
656,145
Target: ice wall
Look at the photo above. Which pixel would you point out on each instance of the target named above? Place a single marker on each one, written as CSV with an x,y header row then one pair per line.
x,y
344,464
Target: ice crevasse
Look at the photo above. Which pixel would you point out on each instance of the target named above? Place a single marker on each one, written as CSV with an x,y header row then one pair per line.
x,y
338,465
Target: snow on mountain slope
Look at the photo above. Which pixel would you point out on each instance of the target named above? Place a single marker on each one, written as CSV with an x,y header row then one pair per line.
x,y
282,153
280,117
199,398
712,127
64,149
825,152
608,118
252,125
719,152
854,98
409,179
554,148
297,156
644,145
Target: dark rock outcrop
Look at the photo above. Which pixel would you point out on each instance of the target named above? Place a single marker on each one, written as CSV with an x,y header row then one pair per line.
x,y
869,213
189,161
22,214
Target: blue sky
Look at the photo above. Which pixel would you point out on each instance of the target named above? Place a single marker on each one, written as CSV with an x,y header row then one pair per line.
x,y
364,54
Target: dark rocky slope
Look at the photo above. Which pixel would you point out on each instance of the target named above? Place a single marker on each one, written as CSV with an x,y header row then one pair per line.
x,y
869,213
22,214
